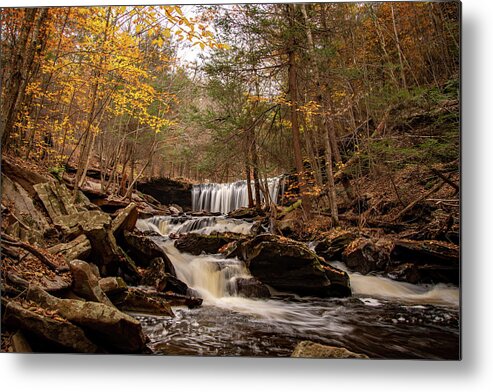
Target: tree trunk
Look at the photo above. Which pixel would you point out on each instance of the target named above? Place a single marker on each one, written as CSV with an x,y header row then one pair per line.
x,y
293,93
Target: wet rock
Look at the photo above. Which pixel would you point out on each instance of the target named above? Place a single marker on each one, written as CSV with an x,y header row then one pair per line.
x,y
407,272
79,248
177,286
138,300
308,349
143,250
106,325
434,261
57,333
290,266
249,288
244,213
331,245
155,276
197,244
125,220
175,211
86,283
364,255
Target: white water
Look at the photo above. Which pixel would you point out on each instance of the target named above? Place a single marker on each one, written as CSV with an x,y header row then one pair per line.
x,y
214,277
228,197
166,225
381,287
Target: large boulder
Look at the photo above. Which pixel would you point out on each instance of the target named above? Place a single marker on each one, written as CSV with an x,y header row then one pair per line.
x,y
144,250
155,276
196,244
108,256
365,255
49,331
290,266
106,325
86,283
333,243
125,220
425,261
308,349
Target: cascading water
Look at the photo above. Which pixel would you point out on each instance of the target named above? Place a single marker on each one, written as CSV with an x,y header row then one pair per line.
x,y
384,318
228,197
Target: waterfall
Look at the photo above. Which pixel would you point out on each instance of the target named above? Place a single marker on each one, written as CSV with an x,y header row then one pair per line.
x,y
228,197
166,225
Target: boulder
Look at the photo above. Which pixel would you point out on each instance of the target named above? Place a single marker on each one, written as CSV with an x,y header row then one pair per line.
x,y
196,244
86,283
364,255
79,248
140,301
56,333
125,220
56,199
426,261
331,245
244,213
155,276
308,349
22,206
143,250
112,285
406,272
425,252
249,288
173,210
177,208
106,325
290,266
108,256
115,288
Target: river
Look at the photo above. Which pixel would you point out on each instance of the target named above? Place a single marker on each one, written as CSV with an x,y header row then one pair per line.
x,y
383,318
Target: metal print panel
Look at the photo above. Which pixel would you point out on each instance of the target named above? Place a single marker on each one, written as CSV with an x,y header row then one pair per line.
x,y
262,180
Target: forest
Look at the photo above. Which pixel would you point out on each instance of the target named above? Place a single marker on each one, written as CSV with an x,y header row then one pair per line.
x,y
212,161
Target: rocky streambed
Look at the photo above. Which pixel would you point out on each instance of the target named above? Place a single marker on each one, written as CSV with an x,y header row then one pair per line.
x,y
379,317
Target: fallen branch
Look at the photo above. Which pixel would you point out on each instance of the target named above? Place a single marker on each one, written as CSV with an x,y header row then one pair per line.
x,y
446,179
436,188
44,259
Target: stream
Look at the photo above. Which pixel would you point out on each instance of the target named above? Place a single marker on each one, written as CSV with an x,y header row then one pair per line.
x,y
383,318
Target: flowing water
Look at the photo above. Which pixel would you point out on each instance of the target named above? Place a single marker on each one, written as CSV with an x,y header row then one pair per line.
x,y
383,318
